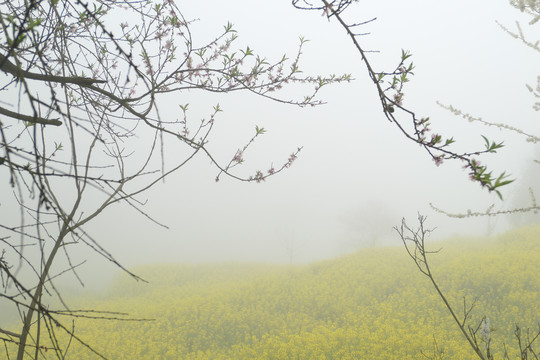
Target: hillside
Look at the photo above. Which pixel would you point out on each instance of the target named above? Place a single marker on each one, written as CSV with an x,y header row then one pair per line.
x,y
373,304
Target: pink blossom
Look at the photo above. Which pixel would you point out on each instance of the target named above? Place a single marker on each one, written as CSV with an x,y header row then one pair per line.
x,y
398,98
238,157
259,176
290,161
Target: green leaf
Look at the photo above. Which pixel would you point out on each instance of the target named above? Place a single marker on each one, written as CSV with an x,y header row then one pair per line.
x,y
449,141
486,142
248,52
229,28
405,55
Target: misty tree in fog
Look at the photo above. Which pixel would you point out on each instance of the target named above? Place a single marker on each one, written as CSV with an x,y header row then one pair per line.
x,y
369,225
92,115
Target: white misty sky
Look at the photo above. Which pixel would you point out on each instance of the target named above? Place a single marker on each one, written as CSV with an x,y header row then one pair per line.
x,y
357,175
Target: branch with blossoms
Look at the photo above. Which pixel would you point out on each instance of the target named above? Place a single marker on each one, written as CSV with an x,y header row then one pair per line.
x,y
112,62
390,89
89,119
236,70
259,175
528,137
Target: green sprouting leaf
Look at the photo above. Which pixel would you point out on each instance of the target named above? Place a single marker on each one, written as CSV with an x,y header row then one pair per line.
x,y
14,43
184,107
259,130
235,72
229,28
500,180
486,142
248,52
229,57
98,10
34,23
495,146
261,61
405,55
492,146
200,53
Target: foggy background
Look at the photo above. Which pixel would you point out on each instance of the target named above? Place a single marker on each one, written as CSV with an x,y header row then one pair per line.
x,y
356,176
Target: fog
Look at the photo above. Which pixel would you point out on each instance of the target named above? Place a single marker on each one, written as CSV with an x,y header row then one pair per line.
x,y
356,176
